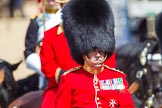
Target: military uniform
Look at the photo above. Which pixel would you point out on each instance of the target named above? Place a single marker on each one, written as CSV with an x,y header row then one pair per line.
x,y
82,88
89,29
42,21
33,39
56,59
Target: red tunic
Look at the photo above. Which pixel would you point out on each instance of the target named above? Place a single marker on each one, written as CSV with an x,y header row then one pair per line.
x,y
81,89
55,56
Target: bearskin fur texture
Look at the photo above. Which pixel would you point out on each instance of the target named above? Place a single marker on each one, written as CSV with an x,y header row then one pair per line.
x,y
88,24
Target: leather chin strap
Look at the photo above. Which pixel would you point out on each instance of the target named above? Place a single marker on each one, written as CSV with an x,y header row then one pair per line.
x,y
134,87
50,10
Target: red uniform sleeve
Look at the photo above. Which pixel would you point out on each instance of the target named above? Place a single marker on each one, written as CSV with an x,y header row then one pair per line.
x,y
47,55
125,98
63,98
111,61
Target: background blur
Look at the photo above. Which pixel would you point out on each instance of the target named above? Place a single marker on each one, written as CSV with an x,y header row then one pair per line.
x,y
12,34
13,26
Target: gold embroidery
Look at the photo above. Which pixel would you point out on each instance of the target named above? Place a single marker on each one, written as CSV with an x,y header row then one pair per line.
x,y
71,70
91,69
60,29
35,16
48,10
113,69
62,1
57,74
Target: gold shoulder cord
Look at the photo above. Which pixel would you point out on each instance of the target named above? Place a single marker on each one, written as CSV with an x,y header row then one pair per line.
x,y
72,70
60,29
35,15
113,69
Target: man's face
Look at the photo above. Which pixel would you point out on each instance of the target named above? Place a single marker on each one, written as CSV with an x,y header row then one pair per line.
x,y
95,58
52,4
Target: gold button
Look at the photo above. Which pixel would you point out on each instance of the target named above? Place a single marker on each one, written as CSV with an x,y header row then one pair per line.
x,y
98,98
98,102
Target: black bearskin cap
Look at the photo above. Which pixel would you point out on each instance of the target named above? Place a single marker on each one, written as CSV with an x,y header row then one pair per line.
x,y
88,24
158,26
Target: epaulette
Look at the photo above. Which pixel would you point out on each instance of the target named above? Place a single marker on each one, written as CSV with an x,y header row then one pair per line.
x,y
35,16
116,70
60,29
72,70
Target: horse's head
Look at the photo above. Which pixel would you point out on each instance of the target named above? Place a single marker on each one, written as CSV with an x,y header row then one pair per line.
x,y
141,29
7,82
141,69
158,26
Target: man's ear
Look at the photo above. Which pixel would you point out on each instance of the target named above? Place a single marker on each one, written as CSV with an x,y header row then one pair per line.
x,y
2,75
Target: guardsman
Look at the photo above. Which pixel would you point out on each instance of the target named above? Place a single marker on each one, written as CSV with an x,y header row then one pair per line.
x,y
34,36
55,58
89,29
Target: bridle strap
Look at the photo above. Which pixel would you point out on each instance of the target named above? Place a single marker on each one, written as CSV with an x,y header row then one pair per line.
x,y
134,87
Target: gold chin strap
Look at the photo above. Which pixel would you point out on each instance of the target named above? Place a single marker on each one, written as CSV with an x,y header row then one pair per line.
x,y
92,70
62,1
48,10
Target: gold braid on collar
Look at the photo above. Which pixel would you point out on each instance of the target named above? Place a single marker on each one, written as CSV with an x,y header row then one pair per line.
x,y
48,10
60,29
92,70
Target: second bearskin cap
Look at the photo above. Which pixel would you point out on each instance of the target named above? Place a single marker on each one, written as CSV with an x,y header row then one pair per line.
x,y
158,25
88,24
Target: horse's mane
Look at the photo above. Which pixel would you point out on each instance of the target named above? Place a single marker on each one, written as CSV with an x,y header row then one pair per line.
x,y
27,84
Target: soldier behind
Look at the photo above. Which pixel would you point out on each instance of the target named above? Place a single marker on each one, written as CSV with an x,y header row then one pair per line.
x,y
89,29
34,36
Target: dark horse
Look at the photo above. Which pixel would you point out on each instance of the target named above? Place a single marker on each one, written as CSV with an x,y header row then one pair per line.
x,y
7,82
28,95
11,89
141,61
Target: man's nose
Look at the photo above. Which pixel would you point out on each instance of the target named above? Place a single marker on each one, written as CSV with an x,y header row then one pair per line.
x,y
98,54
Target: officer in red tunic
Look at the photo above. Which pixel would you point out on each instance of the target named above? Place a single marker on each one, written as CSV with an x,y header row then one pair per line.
x,y
89,28
34,36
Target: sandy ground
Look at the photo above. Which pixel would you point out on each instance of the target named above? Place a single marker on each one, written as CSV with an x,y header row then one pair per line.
x,y
12,36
